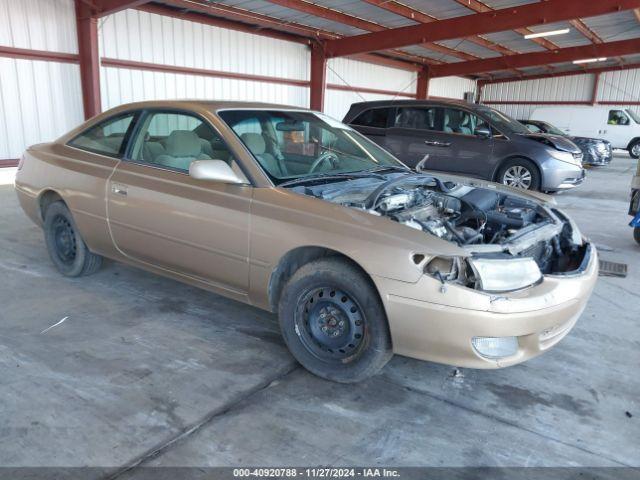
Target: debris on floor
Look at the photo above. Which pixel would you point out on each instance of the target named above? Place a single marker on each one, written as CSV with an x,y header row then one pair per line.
x,y
612,269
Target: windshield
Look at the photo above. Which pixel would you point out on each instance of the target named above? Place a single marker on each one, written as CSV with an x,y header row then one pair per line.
x,y
503,122
634,115
293,145
553,130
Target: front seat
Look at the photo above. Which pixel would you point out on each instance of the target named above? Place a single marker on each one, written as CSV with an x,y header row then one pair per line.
x,y
465,125
181,148
256,145
447,127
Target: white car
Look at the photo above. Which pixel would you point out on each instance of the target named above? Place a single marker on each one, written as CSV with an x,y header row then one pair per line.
x,y
620,126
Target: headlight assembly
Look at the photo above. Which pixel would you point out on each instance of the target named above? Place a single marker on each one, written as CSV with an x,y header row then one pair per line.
x,y
505,275
565,157
491,275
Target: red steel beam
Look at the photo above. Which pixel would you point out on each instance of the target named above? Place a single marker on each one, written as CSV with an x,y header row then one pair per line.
x,y
107,7
611,49
594,92
360,23
421,17
318,77
349,88
561,73
480,7
87,31
157,67
44,55
422,87
459,27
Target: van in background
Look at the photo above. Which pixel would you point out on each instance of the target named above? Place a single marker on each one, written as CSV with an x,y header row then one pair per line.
x,y
620,126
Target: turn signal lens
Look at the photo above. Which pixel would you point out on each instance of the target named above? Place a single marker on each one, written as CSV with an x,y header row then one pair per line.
x,y
495,347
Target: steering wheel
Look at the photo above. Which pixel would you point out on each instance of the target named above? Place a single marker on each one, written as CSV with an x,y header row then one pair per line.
x,y
327,156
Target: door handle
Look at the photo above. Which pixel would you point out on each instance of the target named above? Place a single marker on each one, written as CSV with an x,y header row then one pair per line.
x,y
437,144
119,189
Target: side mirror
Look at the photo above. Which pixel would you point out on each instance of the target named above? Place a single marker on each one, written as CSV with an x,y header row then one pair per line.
x,y
482,132
214,170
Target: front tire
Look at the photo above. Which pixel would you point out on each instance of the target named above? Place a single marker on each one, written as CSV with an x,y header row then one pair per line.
x,y
333,321
634,149
519,173
66,247
636,234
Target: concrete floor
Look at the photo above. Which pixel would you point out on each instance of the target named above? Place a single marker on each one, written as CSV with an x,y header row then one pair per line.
x,y
147,370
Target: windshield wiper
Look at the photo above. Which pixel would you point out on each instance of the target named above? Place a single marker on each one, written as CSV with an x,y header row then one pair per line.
x,y
382,168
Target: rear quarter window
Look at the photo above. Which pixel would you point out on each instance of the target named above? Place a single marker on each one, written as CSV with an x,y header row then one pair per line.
x,y
107,137
374,117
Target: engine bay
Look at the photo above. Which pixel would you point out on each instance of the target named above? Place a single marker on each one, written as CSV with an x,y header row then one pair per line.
x,y
481,220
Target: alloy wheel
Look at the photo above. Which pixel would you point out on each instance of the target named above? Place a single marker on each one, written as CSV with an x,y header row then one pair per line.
x,y
517,176
635,150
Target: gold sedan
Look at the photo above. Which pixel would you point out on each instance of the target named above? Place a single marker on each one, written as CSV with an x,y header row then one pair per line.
x,y
294,212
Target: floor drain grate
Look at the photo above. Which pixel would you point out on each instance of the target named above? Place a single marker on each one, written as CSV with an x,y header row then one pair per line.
x,y
612,269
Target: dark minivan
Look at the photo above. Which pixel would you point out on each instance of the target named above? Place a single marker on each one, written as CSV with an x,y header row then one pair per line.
x,y
469,139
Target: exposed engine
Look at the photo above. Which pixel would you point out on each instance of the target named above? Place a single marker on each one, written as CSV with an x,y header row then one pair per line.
x,y
479,219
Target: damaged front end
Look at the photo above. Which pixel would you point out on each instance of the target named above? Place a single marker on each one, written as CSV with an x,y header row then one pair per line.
x,y
511,241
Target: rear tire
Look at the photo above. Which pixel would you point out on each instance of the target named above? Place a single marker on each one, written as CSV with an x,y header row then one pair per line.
x,y
634,149
636,234
66,247
333,321
519,173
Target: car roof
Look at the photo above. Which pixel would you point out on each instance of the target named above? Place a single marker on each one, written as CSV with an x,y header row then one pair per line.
x,y
415,103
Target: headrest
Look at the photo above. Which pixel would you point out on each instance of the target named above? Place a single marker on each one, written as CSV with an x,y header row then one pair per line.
x,y
183,143
254,142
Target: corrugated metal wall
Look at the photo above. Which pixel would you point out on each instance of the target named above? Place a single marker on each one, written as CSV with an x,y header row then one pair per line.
x,y
451,87
39,100
573,88
150,38
620,86
353,73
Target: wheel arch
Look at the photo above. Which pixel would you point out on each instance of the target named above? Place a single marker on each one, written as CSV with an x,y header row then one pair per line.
x,y
46,198
633,140
500,164
291,261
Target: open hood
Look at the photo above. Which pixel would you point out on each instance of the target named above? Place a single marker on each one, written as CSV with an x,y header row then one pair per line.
x,y
558,142
482,221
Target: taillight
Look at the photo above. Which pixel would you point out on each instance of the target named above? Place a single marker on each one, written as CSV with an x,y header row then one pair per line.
x,y
20,162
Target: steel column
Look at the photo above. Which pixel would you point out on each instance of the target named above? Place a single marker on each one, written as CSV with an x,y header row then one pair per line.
x,y
318,77
422,87
87,28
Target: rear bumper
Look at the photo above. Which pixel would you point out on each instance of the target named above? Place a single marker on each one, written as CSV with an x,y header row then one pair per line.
x,y
428,324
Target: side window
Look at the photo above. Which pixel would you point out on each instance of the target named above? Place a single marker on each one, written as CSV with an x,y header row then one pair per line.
x,y
105,138
618,117
375,117
461,121
419,118
533,128
174,140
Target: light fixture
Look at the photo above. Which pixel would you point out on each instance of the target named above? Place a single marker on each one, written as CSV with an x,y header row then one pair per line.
x,y
562,31
590,60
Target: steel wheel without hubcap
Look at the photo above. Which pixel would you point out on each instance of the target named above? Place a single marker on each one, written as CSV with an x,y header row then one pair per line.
x,y
517,176
65,240
330,324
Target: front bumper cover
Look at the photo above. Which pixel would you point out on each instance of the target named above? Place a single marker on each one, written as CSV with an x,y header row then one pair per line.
x,y
428,322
